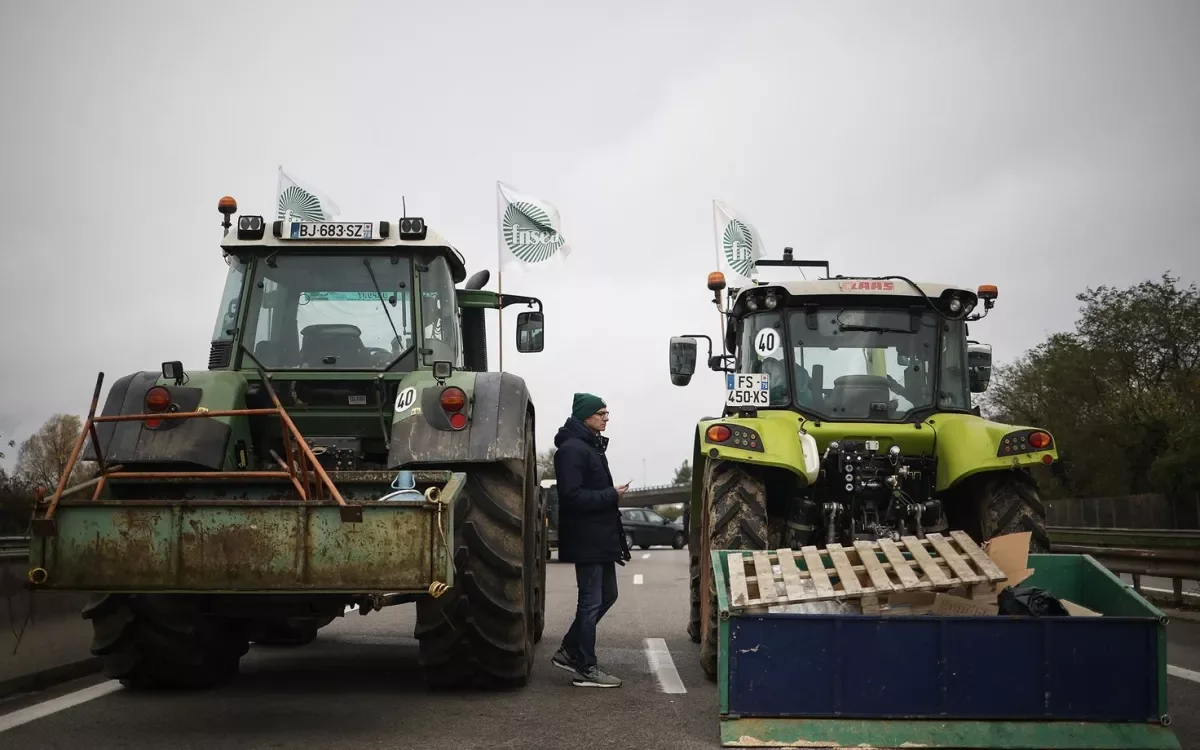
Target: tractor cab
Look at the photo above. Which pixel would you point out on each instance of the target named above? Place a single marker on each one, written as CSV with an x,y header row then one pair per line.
x,y
846,349
371,297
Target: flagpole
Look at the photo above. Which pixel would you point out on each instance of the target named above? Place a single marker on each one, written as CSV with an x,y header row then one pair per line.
x,y
500,272
717,253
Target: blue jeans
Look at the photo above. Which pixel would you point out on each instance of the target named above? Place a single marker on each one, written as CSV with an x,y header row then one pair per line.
x,y
597,592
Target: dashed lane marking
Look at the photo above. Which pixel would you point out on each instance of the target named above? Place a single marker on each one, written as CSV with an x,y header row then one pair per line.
x,y
1185,674
54,705
663,666
646,556
637,579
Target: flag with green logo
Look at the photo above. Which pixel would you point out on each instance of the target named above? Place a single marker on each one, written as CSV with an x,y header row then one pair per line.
x,y
530,229
297,201
739,244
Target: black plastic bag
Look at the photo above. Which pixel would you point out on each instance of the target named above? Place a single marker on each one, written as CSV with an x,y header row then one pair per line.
x,y
1029,601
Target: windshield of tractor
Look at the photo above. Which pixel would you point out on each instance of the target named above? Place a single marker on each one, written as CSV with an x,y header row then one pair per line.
x,y
876,364
330,311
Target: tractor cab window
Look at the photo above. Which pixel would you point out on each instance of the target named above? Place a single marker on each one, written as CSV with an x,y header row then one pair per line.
x,y
761,349
231,299
955,390
875,364
440,324
325,312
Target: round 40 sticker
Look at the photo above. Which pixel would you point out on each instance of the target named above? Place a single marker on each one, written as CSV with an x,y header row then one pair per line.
x,y
406,398
767,342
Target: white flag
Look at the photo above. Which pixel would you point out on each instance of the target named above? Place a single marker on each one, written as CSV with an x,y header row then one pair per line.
x,y
298,201
739,244
529,229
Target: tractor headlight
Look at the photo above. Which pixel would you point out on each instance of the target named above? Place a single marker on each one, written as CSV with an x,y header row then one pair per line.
x,y
955,304
250,227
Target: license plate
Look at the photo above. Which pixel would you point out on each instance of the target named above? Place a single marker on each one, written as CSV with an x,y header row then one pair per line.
x,y
332,230
743,389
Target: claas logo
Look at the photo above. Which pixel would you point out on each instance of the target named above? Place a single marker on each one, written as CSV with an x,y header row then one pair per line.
x,y
867,286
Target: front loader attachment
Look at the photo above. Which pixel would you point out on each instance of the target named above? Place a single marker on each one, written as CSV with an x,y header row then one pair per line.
x,y
291,530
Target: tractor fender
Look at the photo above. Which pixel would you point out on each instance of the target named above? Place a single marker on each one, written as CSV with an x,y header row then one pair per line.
x,y
499,402
778,443
201,443
968,445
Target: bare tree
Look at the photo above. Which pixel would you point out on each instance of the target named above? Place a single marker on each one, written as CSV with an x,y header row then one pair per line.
x,y
43,458
545,463
11,444
683,475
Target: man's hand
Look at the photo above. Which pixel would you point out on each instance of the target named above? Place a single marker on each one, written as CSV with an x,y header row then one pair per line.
x,y
622,489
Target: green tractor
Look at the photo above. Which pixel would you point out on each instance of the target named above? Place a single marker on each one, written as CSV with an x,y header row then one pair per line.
x,y
346,448
848,416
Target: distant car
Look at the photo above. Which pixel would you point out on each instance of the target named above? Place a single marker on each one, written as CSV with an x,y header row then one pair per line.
x,y
645,528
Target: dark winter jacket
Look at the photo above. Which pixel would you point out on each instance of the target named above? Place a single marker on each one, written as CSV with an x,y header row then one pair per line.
x,y
589,522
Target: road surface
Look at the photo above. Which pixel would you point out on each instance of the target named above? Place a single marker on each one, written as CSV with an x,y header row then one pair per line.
x,y
358,686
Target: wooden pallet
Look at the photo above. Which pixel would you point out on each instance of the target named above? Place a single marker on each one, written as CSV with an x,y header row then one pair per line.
x,y
870,572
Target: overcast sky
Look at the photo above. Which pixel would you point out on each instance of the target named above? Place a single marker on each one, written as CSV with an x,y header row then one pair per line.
x,y
1042,147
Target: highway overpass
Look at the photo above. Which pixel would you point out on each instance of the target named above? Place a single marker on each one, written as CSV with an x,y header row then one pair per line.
x,y
666,494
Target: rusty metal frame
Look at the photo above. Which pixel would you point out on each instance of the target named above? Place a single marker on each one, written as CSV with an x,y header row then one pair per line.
x,y
314,488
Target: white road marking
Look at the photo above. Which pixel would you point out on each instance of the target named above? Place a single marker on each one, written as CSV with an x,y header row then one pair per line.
x,y
1182,673
637,579
646,556
663,666
54,705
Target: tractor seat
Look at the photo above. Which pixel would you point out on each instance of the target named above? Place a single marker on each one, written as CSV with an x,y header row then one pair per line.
x,y
332,344
853,395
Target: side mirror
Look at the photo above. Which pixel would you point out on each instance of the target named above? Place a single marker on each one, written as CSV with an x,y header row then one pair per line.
x,y
683,359
530,332
979,366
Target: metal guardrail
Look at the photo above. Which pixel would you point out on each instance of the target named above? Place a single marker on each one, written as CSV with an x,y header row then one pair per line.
x,y
14,547
1160,553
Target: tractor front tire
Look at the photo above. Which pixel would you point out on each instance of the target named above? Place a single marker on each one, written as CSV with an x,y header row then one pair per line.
x,y
735,517
483,629
164,641
1007,502
693,628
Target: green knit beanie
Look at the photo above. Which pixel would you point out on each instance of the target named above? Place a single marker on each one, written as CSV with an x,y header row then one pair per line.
x,y
585,405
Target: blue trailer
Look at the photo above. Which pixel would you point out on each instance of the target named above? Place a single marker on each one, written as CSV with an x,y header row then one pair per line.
x,y
948,681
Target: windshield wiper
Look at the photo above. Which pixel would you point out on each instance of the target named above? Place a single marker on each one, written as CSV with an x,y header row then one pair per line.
x,y
407,349
382,302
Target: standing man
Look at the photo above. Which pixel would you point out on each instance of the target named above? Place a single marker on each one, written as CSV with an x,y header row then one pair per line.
x,y
590,533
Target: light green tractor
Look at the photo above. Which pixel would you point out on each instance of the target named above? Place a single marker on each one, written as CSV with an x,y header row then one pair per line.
x,y
346,447
848,416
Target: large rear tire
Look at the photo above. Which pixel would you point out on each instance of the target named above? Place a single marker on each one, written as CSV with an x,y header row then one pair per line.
x,y
1006,502
482,631
164,641
735,517
693,628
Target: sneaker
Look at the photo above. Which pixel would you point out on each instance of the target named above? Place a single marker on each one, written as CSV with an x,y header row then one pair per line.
x,y
563,660
595,677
